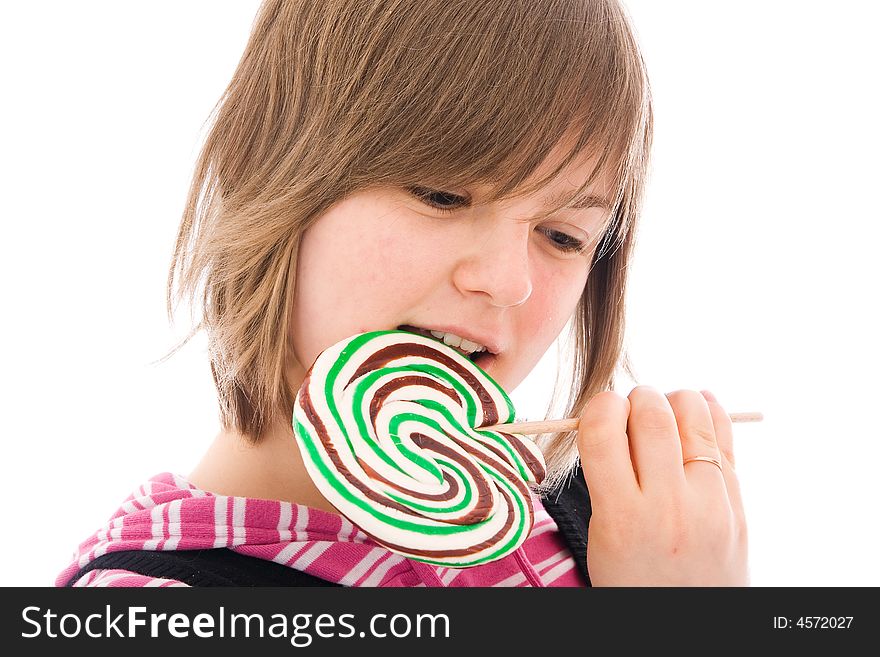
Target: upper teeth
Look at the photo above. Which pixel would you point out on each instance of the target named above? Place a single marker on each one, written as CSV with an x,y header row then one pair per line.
x,y
453,340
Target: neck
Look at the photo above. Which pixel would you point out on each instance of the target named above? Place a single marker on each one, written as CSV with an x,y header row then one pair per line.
x,y
272,469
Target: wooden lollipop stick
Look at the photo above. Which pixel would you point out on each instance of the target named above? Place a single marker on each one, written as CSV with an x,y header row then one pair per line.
x,y
571,424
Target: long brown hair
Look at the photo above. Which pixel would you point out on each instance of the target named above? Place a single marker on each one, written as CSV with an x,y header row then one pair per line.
x,y
334,96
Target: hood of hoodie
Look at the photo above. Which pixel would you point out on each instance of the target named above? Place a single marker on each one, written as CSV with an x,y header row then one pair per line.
x,y
169,513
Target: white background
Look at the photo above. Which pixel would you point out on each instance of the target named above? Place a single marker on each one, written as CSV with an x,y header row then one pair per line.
x,y
755,274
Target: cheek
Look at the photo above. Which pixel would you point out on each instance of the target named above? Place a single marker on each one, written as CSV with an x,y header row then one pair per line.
x,y
362,270
556,293
340,263
391,266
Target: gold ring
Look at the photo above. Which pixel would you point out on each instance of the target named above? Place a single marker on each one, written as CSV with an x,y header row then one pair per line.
x,y
708,459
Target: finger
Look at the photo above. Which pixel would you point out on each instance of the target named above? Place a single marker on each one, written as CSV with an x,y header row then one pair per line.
x,y
697,433
724,436
653,439
604,449
723,426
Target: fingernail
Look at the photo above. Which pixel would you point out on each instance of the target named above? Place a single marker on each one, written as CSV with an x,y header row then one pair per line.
x,y
709,396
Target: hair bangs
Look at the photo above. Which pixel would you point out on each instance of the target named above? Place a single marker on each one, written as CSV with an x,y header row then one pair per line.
x,y
489,111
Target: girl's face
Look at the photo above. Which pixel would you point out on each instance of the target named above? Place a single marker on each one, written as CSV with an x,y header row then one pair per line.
x,y
497,275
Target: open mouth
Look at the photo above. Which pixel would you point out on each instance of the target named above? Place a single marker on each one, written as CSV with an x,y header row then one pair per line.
x,y
477,357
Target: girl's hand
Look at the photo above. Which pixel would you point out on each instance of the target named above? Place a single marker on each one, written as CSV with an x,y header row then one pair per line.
x,y
655,521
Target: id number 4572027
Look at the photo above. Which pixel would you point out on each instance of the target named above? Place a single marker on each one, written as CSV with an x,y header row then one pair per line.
x,y
812,622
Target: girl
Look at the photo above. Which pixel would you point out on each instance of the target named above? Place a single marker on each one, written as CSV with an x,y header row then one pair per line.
x,y
473,169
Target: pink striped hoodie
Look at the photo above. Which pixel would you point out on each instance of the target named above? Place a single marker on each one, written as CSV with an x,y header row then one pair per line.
x,y
169,513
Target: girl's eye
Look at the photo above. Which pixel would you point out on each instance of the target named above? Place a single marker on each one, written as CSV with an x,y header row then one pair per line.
x,y
439,200
563,241
449,202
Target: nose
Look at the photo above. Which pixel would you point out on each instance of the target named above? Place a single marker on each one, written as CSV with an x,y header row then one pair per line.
x,y
497,264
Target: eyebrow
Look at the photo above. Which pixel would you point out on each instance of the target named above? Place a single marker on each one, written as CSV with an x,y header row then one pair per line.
x,y
590,201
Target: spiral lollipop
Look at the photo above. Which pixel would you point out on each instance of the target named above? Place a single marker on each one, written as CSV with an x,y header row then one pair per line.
x,y
387,423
